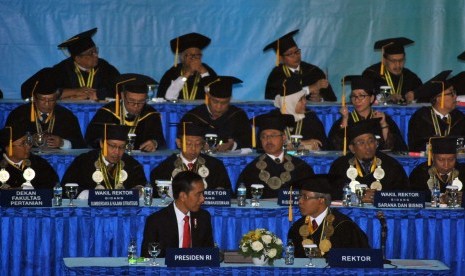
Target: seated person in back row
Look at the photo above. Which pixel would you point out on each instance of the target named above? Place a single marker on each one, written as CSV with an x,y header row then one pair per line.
x,y
229,122
444,170
364,164
44,115
132,111
191,142
317,218
18,163
117,169
182,224
275,169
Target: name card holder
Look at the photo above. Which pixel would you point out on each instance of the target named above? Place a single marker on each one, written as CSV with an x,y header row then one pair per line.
x,y
355,258
217,197
283,197
113,198
26,198
192,257
399,199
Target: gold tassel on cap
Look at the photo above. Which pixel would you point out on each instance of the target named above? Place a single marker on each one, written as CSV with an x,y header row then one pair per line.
x,y
176,53
283,105
10,142
277,54
105,147
290,214
33,110
442,92
381,71
207,87
429,151
254,139
343,96
344,146
184,142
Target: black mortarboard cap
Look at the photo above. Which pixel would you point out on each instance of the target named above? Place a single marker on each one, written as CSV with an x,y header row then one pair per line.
x,y
190,129
362,127
135,83
433,87
116,132
444,145
458,82
393,45
220,86
360,82
79,43
284,43
318,183
461,56
42,82
273,120
190,40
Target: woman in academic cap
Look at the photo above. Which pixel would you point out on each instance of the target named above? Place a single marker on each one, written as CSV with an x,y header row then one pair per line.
x,y
306,123
362,98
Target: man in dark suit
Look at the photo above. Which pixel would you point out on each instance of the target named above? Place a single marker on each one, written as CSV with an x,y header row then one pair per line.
x,y
182,224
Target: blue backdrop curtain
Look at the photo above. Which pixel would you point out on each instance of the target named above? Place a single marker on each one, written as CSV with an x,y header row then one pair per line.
x,y
134,35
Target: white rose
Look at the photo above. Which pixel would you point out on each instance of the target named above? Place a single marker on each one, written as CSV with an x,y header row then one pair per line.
x,y
272,253
257,246
267,239
279,241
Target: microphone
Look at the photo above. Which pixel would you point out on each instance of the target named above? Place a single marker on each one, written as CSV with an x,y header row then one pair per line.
x,y
384,230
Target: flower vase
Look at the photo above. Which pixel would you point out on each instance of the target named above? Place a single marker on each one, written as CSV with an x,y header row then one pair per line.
x,y
260,261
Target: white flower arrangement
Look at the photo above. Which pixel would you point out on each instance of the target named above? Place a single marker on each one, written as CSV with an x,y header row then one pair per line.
x,y
261,242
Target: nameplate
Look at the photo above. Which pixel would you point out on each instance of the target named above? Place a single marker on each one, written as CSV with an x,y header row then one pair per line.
x,y
399,199
113,198
216,197
284,197
26,198
192,257
355,258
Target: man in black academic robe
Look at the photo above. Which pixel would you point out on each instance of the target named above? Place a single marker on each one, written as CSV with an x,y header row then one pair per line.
x,y
17,158
162,226
442,118
444,168
110,163
318,88
183,80
190,158
363,155
314,202
144,120
85,76
229,122
392,71
275,169
58,123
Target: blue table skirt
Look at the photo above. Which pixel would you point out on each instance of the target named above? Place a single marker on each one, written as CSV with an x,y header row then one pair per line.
x,y
172,113
33,241
320,162
119,266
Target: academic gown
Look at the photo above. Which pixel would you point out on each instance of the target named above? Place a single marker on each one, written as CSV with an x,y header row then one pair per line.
x,y
395,177
347,234
66,124
162,227
217,178
336,135
149,126
410,80
45,178
250,175
104,80
81,169
233,124
274,83
419,178
421,128
173,73
312,128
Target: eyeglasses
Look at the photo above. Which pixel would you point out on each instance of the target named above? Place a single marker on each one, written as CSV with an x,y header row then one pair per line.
x,y
271,136
136,103
24,143
194,56
293,54
363,143
46,100
113,147
359,97
90,52
306,197
452,93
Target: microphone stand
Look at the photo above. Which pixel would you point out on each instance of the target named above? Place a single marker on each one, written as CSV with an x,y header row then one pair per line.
x,y
384,229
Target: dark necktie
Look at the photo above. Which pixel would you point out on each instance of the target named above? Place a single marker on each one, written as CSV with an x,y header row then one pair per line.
x,y
43,117
277,160
190,166
444,178
445,120
130,117
186,239
314,225
366,167
110,169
